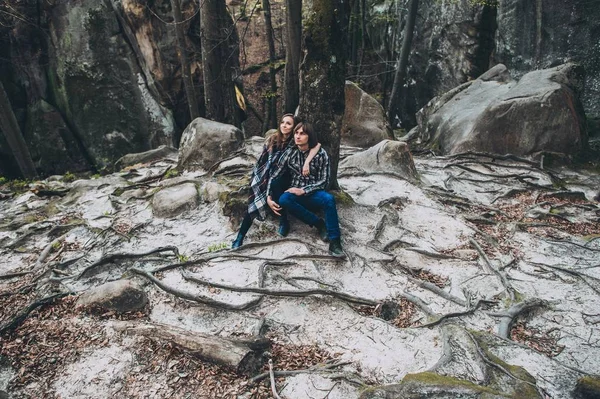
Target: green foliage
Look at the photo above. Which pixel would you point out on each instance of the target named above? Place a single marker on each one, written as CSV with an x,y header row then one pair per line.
x,y
69,177
182,258
96,176
56,245
217,247
171,173
2,180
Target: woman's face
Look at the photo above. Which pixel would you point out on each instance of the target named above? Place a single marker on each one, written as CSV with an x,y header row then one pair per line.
x,y
286,125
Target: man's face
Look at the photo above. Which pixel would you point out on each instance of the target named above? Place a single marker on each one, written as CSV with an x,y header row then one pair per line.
x,y
300,138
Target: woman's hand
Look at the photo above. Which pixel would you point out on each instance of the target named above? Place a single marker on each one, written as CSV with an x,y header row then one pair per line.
x,y
306,169
274,206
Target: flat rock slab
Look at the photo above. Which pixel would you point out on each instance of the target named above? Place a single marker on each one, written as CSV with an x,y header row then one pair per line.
x,y
172,201
121,296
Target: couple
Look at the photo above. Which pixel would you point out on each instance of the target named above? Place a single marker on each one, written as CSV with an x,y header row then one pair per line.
x,y
291,176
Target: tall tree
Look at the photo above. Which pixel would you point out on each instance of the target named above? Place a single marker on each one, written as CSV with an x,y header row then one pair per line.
x,y
12,132
402,65
186,75
218,61
271,114
293,50
322,75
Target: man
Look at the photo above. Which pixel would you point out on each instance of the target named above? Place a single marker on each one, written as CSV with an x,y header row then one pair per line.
x,y
307,192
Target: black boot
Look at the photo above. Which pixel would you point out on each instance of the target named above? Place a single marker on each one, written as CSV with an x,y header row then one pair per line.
x,y
320,225
284,226
238,242
335,249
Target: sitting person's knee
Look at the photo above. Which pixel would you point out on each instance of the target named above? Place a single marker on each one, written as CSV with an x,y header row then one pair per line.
x,y
328,199
285,199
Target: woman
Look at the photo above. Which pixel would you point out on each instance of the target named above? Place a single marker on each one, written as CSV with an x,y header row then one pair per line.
x,y
274,147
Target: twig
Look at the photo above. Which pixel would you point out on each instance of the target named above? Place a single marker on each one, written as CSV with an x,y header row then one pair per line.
x,y
40,260
272,377
314,369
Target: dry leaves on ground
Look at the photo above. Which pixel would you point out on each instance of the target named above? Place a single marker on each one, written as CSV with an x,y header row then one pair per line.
x,y
546,343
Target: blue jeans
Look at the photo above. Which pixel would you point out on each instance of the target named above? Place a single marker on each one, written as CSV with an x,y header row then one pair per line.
x,y
298,206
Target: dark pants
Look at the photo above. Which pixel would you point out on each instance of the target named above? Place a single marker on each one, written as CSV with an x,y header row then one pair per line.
x,y
299,205
278,187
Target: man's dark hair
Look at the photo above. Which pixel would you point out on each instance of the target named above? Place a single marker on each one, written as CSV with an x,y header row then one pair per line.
x,y
307,128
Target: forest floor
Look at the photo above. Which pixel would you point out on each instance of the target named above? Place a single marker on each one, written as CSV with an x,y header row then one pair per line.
x,y
499,247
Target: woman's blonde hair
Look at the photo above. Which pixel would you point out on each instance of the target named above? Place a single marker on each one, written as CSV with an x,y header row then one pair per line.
x,y
277,139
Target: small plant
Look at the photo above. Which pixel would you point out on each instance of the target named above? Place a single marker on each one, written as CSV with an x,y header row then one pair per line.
x,y
217,247
69,177
56,245
182,258
171,173
96,176
2,180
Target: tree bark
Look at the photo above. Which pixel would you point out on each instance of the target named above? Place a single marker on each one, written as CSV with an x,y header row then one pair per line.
x,y
271,114
12,132
293,48
400,75
322,76
186,75
219,58
244,356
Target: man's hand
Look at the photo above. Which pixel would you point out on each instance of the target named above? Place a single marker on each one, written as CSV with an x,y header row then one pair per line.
x,y
295,191
274,206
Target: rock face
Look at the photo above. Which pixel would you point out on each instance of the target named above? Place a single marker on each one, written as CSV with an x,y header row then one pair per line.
x,y
205,142
364,123
540,113
387,156
83,83
120,296
172,201
458,41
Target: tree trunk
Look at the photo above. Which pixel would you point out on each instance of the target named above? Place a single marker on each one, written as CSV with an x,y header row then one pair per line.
x,y
293,48
244,356
322,75
186,77
400,75
12,132
218,62
271,114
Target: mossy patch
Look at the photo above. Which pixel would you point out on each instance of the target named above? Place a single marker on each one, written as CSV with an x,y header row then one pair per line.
x,y
342,198
588,387
430,378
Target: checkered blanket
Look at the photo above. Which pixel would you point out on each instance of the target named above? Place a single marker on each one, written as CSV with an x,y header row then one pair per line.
x,y
264,167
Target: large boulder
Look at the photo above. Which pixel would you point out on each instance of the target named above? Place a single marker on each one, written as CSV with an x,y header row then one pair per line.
x,y
172,201
120,296
365,123
205,142
541,113
388,157
161,152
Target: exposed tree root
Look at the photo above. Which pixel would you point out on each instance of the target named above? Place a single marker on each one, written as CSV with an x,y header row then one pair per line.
x,y
501,275
285,293
448,316
118,256
436,290
196,298
509,317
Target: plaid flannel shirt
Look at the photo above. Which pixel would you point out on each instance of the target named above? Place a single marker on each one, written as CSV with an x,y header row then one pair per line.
x,y
293,160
